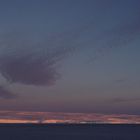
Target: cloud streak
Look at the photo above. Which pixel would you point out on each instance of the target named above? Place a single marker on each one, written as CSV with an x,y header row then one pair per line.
x,y
124,100
5,94
120,36
33,62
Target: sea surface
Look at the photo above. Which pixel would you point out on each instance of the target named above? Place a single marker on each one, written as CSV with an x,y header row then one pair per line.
x,y
69,132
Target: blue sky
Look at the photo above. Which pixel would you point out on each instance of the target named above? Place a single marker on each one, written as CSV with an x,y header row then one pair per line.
x,y
70,56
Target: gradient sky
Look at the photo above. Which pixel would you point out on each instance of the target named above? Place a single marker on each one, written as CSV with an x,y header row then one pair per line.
x,y
70,56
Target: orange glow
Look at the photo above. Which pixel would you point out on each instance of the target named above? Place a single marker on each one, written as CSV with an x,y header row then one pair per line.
x,y
16,121
52,117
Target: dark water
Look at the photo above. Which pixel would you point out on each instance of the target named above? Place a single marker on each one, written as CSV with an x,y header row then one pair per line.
x,y
69,132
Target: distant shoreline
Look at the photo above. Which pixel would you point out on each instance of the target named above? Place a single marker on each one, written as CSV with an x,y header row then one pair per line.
x,y
67,124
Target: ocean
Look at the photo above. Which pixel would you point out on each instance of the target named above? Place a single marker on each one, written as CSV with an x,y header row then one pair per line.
x,y
69,132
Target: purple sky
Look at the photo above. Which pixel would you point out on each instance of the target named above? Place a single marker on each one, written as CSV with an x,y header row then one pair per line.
x,y
70,56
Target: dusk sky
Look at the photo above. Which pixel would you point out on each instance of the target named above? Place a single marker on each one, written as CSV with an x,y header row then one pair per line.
x,y
70,56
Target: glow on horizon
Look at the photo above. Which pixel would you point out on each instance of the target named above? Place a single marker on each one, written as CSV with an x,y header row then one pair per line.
x,y
51,117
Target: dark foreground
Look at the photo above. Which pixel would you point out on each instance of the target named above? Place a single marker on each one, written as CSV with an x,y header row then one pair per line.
x,y
69,132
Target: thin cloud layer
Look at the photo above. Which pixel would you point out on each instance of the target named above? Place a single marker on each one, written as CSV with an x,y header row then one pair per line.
x,y
35,63
27,61
124,100
31,62
5,94
120,36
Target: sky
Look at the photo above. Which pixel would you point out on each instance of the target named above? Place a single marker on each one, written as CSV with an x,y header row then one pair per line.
x,y
74,56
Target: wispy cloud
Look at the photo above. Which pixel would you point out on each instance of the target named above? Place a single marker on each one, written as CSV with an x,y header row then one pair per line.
x,y
123,100
120,81
30,62
6,94
35,63
117,37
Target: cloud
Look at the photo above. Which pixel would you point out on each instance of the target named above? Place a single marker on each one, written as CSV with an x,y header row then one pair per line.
x,y
121,100
117,37
27,61
119,81
124,34
34,62
5,94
